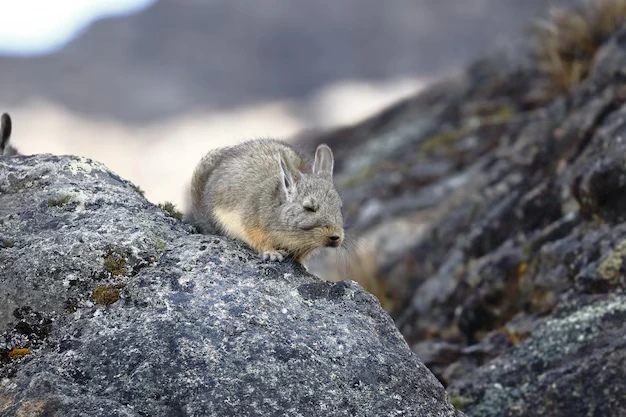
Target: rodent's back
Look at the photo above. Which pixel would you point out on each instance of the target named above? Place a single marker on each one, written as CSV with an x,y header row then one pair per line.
x,y
250,171
241,177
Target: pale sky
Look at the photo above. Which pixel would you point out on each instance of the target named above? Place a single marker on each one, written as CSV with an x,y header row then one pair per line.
x,y
31,27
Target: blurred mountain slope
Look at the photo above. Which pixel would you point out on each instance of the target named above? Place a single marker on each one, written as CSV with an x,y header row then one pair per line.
x,y
183,56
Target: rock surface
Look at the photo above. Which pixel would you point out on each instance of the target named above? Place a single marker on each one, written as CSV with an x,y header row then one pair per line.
x,y
498,224
574,364
111,307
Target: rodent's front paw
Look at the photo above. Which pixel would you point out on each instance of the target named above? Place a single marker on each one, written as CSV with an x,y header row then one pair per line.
x,y
274,255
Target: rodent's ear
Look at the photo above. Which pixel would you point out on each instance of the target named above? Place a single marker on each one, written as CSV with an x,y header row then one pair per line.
x,y
287,174
5,131
324,161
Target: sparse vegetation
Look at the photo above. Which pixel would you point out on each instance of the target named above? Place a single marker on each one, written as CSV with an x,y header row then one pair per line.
x,y
139,190
360,265
171,209
566,43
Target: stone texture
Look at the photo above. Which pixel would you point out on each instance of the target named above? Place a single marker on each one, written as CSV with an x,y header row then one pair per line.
x,y
510,287
574,365
111,307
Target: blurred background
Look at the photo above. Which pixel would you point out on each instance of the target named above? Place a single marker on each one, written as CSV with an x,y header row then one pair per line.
x,y
147,87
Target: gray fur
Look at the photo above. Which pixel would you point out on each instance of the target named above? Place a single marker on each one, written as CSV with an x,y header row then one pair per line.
x,y
198,209
6,126
274,189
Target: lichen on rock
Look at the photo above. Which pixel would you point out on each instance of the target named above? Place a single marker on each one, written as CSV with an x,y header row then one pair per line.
x,y
493,200
120,325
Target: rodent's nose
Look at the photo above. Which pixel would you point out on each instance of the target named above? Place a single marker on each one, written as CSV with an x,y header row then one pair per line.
x,y
334,241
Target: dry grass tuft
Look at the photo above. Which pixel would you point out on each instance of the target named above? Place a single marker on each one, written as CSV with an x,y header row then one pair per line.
x,y
171,209
360,264
566,43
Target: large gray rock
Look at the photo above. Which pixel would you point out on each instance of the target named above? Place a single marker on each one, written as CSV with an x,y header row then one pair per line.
x,y
111,307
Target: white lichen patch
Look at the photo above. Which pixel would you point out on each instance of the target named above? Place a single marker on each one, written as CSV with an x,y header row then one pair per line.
x,y
77,196
186,280
559,336
589,314
83,166
68,279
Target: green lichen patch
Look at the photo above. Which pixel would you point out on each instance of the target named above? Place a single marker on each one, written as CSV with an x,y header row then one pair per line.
x,y
441,139
610,268
359,178
6,243
171,209
115,263
160,245
459,402
500,114
59,201
106,294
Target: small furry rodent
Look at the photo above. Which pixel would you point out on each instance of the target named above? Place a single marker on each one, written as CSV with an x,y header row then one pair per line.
x,y
5,135
269,196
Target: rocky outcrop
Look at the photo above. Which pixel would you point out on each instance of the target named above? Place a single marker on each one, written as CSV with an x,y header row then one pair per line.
x,y
573,365
496,216
111,307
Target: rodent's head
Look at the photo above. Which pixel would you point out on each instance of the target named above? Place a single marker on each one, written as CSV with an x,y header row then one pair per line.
x,y
311,210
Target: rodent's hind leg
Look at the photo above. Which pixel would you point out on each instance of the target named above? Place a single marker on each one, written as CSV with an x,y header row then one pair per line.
x,y
274,255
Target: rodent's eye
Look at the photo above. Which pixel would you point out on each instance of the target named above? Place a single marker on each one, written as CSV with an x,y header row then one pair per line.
x,y
309,209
